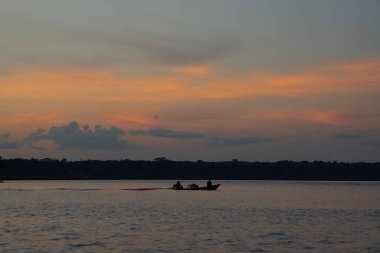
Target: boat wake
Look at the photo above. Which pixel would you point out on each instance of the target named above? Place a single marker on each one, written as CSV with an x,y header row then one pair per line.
x,y
144,189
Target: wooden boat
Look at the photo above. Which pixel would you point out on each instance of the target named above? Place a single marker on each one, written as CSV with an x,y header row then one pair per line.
x,y
211,188
193,187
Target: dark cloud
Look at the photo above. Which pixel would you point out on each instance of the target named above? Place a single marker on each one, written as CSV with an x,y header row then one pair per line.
x,y
166,133
374,142
369,134
74,136
34,138
222,141
58,44
185,51
368,138
346,136
6,142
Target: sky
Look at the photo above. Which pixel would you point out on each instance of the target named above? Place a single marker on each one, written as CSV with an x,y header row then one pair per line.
x,y
209,80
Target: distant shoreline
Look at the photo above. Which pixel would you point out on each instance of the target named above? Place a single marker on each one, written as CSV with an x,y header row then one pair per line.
x,y
164,169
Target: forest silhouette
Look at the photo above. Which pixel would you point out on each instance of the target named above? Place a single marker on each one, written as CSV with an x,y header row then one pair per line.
x,y
162,168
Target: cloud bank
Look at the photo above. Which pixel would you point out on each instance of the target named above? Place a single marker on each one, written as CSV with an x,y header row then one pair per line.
x,y
6,142
74,136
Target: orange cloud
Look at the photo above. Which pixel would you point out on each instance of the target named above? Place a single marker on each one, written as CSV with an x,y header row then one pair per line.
x,y
331,117
345,77
351,77
27,118
328,117
194,70
96,96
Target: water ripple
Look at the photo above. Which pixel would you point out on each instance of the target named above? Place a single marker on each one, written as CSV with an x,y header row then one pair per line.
x,y
71,217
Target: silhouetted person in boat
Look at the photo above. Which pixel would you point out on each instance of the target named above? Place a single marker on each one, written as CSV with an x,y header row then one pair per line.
x,y
209,184
177,186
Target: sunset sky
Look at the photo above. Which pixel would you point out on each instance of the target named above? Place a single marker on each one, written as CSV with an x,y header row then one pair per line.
x,y
191,80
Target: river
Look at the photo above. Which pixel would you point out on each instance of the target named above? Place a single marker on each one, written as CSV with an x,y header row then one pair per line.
x,y
241,216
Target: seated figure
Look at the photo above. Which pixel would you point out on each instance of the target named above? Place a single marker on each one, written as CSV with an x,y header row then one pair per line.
x,y
177,186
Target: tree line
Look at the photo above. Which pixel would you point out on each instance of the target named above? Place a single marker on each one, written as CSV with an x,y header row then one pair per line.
x,y
162,168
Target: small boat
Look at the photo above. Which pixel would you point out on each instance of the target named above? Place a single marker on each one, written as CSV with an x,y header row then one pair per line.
x,y
194,187
206,188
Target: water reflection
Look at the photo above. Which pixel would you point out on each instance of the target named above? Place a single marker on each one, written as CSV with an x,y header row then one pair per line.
x,y
243,216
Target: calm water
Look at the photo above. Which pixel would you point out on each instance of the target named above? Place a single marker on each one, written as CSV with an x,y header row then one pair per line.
x,y
242,216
